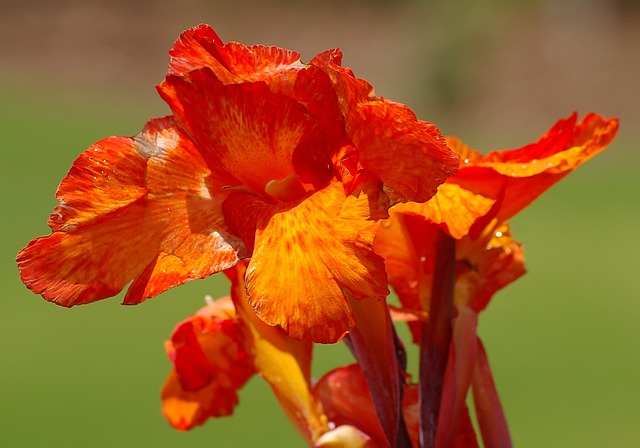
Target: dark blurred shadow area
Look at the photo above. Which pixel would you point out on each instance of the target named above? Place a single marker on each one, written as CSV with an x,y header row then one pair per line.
x,y
487,64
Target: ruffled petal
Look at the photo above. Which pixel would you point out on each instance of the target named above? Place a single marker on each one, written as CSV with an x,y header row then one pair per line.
x,y
232,62
409,156
194,48
143,209
247,132
210,366
519,176
305,255
280,69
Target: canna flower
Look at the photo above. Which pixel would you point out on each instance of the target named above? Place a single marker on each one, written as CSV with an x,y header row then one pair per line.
x,y
291,164
474,206
218,349
446,259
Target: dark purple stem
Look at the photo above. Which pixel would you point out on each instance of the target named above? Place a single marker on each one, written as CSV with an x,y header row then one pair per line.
x,y
435,339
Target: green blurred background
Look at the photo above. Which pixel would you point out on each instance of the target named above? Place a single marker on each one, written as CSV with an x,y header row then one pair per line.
x,y
563,340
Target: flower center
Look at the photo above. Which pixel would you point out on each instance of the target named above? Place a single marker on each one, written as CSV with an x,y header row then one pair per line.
x,y
287,189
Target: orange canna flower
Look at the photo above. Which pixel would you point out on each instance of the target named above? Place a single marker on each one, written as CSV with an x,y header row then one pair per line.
x,y
264,156
473,207
446,258
210,366
216,351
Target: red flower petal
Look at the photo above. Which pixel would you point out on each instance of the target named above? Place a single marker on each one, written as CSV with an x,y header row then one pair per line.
x,y
491,262
346,400
246,131
210,367
305,255
232,62
280,69
144,209
409,156
519,176
193,50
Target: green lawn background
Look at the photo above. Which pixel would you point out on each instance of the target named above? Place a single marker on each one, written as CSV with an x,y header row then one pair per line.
x,y
563,340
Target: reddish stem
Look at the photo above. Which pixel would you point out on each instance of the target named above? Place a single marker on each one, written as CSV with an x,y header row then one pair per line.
x,y
435,339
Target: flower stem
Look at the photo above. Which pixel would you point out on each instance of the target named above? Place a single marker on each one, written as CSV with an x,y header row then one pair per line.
x,y
435,339
381,356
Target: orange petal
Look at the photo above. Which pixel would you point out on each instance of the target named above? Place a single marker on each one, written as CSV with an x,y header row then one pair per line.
x,y
454,208
521,175
232,62
305,255
193,50
283,362
142,209
238,130
489,263
209,367
280,69
407,241
409,156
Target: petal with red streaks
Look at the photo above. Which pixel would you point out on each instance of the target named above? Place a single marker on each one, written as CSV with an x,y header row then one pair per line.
x,y
454,208
408,155
305,255
143,209
246,131
521,175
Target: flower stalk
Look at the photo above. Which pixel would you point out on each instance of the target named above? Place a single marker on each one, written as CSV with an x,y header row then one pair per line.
x,y
436,338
